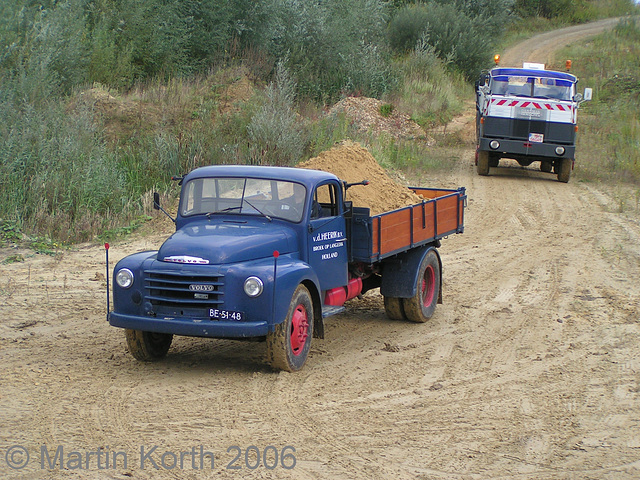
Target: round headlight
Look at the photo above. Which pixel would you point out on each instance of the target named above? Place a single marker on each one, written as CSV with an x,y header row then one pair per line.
x,y
494,144
253,286
124,278
559,150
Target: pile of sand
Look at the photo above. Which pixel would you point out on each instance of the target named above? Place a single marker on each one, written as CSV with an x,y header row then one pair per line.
x,y
365,113
353,163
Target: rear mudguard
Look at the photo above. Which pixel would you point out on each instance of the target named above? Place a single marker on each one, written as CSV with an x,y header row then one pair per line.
x,y
400,273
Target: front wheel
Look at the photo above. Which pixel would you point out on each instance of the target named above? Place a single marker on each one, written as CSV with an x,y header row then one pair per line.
x,y
564,172
421,306
148,346
483,162
289,343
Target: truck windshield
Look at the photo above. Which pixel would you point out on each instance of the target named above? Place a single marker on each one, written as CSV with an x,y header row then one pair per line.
x,y
537,87
243,196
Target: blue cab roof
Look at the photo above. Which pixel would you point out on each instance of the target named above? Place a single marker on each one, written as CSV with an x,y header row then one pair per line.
x,y
527,72
293,174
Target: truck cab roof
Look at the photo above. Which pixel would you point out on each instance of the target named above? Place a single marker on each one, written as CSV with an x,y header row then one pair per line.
x,y
526,72
304,176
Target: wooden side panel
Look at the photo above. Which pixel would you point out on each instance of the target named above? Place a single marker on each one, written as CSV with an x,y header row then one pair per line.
x,y
395,231
423,227
375,226
447,214
430,193
441,214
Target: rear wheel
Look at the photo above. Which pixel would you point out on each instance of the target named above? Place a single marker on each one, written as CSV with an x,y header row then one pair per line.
x,y
421,306
483,162
148,346
289,343
564,171
393,308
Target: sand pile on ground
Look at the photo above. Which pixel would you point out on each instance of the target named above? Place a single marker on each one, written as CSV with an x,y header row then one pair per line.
x,y
365,113
353,163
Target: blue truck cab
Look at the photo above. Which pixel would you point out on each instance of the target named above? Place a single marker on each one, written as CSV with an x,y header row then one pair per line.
x,y
258,252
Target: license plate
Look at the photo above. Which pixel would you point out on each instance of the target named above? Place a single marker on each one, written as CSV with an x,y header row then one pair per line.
x,y
536,137
217,314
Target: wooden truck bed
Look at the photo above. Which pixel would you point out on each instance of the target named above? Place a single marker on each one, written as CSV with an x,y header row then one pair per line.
x,y
377,237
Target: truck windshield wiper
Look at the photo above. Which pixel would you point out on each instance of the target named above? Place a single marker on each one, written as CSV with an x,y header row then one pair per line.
x,y
258,210
228,209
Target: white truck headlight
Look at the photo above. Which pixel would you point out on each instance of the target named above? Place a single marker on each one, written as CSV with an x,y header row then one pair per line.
x,y
559,150
124,278
253,286
494,144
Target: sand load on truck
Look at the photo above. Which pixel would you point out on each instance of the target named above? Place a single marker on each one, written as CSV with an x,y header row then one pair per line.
x,y
352,162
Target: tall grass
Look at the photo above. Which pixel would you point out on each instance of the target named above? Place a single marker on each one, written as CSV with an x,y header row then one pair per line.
x,y
56,176
609,126
428,92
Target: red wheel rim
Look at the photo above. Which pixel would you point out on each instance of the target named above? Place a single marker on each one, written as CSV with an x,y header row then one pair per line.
x,y
299,329
428,286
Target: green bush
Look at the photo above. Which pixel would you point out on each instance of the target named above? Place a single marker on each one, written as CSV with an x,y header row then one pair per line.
x,y
332,48
275,137
386,109
407,27
466,41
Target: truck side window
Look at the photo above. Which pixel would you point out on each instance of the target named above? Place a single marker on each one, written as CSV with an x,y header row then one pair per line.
x,y
325,202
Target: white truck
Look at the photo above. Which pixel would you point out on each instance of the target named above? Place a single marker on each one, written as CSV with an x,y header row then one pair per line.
x,y
527,114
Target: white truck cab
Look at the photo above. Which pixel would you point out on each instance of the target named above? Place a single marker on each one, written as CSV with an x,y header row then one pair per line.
x,y
528,114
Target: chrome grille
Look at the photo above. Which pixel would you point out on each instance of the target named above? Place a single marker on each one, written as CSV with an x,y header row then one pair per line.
x,y
180,294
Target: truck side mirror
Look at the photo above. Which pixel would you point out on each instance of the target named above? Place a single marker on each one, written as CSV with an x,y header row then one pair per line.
x,y
156,206
588,93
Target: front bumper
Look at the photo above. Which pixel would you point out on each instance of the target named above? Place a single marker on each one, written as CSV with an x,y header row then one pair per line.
x,y
190,327
524,148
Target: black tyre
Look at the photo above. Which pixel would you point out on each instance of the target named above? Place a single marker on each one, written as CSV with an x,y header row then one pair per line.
x,y
564,172
546,167
394,309
483,162
494,161
148,346
421,306
288,345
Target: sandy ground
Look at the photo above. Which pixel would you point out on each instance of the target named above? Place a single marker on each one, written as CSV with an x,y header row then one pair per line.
x,y
529,370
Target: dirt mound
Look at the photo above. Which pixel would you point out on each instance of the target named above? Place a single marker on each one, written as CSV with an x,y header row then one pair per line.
x,y
365,113
159,107
353,163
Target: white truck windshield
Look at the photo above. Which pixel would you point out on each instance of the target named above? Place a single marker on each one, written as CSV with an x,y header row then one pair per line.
x,y
537,87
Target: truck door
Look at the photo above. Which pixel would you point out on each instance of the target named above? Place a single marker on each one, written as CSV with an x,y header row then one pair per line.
x,y
327,237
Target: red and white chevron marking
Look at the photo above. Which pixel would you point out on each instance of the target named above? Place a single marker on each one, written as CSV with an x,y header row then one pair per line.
x,y
528,103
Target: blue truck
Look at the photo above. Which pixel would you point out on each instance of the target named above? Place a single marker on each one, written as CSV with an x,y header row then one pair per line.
x,y
268,253
528,114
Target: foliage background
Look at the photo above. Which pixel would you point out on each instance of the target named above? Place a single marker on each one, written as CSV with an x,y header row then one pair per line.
x,y
67,174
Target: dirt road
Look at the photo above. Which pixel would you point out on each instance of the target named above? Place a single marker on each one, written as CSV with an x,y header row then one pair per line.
x,y
529,370
542,47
